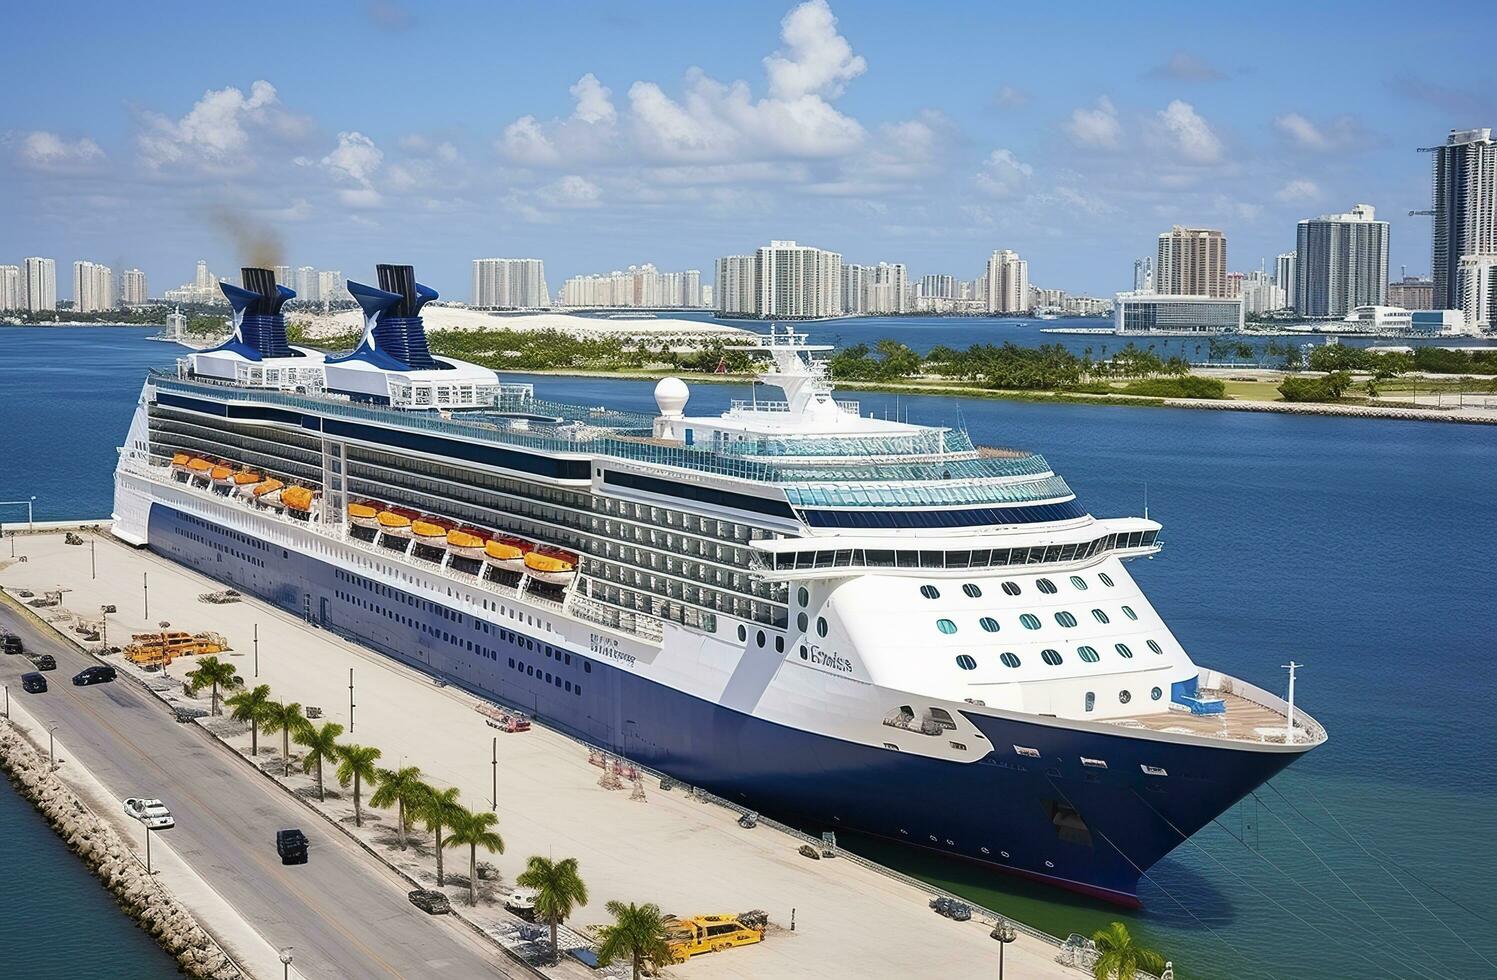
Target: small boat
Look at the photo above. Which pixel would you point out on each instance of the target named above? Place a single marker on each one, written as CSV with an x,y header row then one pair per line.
x,y
363,514
179,462
199,467
222,476
268,493
244,477
394,523
298,499
465,543
430,531
507,553
551,566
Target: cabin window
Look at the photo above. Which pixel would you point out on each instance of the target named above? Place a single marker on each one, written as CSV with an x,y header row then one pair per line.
x,y
1100,616
802,596
989,624
1010,659
742,633
1079,582
821,626
1089,654
779,644
1012,588
972,591
1125,696
1065,619
1046,586
966,663
1123,651
1030,622
1155,647
1128,611
930,592
946,626
1091,700
1156,694
760,639
1105,578
801,622
1051,657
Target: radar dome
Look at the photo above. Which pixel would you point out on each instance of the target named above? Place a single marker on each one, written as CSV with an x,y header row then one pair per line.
x,y
670,396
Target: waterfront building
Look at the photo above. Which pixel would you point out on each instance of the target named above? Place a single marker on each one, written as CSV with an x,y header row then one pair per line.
x,y
878,288
1158,313
641,286
1478,288
938,287
284,276
783,280
734,293
1006,283
510,284
93,287
307,282
1341,262
39,284
1412,293
10,287
1465,208
1260,293
330,287
1234,283
1191,262
203,290
854,288
1397,322
133,290
1087,306
1283,276
1143,275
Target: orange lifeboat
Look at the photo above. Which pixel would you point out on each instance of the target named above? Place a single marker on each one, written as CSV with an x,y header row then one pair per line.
x,y
551,566
507,553
430,531
395,523
179,462
199,467
465,543
222,476
298,499
268,493
363,514
245,477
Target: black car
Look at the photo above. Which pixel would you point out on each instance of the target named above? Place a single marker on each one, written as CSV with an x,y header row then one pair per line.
x,y
11,643
44,662
291,845
33,683
101,674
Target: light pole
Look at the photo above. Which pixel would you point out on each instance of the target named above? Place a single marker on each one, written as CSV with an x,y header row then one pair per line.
x,y
93,565
496,774
7,702
104,627
148,850
145,592
350,700
257,649
51,756
1004,934
286,963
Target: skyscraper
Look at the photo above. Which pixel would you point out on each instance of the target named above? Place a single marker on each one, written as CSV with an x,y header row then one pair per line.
x,y
283,276
10,287
1465,206
306,284
133,291
93,287
1007,283
1341,263
734,292
39,281
510,283
782,280
1191,262
1477,279
1283,276
1143,275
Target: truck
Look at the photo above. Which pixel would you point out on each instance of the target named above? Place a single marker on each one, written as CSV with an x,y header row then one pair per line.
x,y
708,934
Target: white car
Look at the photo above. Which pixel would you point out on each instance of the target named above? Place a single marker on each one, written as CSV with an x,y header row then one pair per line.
x,y
152,813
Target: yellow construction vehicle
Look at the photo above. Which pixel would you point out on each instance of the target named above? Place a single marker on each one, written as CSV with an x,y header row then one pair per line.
x,y
154,649
708,934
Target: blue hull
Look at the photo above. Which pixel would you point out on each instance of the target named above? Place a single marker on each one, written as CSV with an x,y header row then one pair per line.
x,y
1050,818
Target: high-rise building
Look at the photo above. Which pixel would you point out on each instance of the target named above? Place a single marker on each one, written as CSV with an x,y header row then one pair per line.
x,y
39,282
1261,293
510,283
283,276
881,288
1007,283
10,287
1341,263
306,284
133,291
854,287
1412,293
782,280
93,287
1234,283
331,287
938,287
1465,206
204,279
1191,262
1143,275
1283,276
734,293
641,286
1477,279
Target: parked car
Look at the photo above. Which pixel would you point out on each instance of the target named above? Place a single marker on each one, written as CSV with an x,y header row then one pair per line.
x,y
521,902
430,902
291,845
33,683
101,674
44,661
152,813
11,643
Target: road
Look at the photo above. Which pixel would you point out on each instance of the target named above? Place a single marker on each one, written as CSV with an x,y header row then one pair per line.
x,y
345,914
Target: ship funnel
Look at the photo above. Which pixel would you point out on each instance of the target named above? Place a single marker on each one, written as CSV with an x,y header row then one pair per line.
x,y
259,326
394,335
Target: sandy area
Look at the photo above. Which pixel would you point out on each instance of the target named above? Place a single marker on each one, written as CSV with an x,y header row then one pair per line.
x,y
460,318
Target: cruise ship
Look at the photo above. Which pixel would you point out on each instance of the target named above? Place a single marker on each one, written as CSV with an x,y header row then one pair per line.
x,y
856,623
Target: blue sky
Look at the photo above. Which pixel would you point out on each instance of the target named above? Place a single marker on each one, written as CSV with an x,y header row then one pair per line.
x,y
595,136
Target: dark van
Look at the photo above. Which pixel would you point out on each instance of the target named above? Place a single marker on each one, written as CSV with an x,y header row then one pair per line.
x,y
11,643
291,845
33,683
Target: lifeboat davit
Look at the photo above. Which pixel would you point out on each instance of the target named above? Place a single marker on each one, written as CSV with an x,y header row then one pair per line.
x,y
465,543
395,523
268,492
507,553
222,476
363,514
179,462
551,566
298,499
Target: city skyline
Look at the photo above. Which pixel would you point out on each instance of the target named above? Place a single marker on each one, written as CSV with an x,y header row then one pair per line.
x,y
603,146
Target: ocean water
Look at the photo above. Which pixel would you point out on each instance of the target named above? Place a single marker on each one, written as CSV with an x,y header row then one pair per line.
x,y
1362,548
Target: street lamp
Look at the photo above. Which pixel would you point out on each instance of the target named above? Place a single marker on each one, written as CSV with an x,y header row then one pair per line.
x,y
286,962
148,850
51,756
1004,933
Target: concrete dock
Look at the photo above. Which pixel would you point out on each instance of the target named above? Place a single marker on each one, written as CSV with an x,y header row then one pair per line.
x,y
686,856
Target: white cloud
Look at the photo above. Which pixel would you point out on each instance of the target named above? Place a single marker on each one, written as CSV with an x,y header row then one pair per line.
x,y
1191,135
1096,127
1003,175
1010,97
1299,190
48,151
1338,134
355,160
215,133
573,191
594,104
820,61
1186,67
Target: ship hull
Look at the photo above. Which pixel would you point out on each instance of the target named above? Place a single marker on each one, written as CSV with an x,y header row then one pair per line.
x,y
1090,830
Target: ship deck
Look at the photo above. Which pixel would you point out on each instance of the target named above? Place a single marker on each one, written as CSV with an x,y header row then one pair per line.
x,y
1243,721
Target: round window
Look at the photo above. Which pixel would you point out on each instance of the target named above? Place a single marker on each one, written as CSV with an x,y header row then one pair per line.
x,y
1012,588
1010,659
989,624
1046,586
1030,622
1051,657
1065,619
802,596
1156,694
1124,697
1089,654
820,626
946,626
742,633
801,622
930,592
972,591
966,663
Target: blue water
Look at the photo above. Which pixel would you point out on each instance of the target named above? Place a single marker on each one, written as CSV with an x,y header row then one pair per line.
x,y
1362,548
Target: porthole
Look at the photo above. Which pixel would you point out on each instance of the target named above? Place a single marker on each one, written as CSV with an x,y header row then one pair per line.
x,y
972,591
761,638
1125,696
1012,588
803,654
1156,694
946,626
742,633
1089,654
1051,657
1128,611
966,663
989,624
1123,651
1010,659
1030,622
1091,700
802,596
821,626
1105,578
779,644
1079,582
1065,619
1155,647
1046,586
1100,616
801,622
930,592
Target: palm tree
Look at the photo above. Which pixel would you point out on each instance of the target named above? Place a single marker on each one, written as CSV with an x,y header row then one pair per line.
x,y
558,890
210,672
356,763
249,705
476,830
1120,958
638,932
438,809
286,718
320,743
402,787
